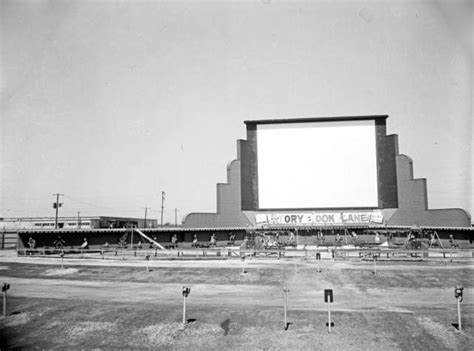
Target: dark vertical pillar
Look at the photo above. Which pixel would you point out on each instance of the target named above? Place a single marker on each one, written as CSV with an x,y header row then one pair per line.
x,y
386,165
249,169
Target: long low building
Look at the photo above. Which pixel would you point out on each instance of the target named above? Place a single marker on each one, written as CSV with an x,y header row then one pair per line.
x,y
99,238
86,222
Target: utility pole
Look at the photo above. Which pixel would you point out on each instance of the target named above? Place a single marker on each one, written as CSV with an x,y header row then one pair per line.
x,y
162,206
56,206
146,209
79,219
175,217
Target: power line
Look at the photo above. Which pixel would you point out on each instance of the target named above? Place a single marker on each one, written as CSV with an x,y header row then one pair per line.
x,y
105,207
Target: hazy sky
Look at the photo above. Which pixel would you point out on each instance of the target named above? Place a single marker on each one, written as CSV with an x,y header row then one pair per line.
x,y
111,102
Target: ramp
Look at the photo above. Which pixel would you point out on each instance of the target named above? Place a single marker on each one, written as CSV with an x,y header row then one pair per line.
x,y
148,238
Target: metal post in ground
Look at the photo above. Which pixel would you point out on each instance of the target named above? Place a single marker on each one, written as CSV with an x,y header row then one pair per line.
x,y
328,298
375,264
285,305
329,317
4,304
184,311
5,287
458,294
186,292
318,260
459,315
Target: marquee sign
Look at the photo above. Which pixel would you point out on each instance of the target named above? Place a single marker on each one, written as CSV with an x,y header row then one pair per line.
x,y
319,218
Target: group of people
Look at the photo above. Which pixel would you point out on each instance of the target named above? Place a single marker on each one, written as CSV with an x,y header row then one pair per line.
x,y
212,241
59,243
275,239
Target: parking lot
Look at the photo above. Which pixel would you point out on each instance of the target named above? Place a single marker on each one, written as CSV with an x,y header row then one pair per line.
x,y
98,303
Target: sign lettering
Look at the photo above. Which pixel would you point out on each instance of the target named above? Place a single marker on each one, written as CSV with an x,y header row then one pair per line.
x,y
319,218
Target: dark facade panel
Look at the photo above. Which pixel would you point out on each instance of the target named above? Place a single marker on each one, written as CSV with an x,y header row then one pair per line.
x,y
386,166
249,170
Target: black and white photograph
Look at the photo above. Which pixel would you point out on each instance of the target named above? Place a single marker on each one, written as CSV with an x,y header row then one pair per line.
x,y
236,175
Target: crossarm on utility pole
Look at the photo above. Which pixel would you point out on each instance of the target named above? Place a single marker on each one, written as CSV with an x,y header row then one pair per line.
x,y
148,238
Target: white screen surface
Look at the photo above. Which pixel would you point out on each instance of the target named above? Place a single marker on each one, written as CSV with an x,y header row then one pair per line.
x,y
317,165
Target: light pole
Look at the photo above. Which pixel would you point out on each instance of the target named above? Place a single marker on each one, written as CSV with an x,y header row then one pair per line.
x,y
146,209
162,206
56,206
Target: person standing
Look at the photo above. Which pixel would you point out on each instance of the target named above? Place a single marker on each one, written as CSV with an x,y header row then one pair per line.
x,y
213,241
377,238
174,241
354,237
452,242
31,243
85,244
338,239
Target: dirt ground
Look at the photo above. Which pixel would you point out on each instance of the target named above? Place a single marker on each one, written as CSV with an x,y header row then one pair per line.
x,y
97,304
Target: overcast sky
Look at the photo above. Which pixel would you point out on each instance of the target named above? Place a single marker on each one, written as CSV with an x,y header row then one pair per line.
x,y
111,102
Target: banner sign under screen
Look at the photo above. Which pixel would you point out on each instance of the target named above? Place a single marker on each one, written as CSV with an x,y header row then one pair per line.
x,y
320,218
